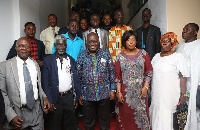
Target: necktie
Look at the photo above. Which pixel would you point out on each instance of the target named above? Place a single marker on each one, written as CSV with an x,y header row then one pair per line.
x,y
53,29
28,87
96,31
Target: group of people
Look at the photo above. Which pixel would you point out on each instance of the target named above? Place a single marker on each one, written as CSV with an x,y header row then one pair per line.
x,y
92,66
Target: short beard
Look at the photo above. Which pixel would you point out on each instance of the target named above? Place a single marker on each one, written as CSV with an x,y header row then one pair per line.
x,y
61,53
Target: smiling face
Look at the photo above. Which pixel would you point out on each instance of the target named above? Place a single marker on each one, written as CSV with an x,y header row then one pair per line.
x,y
83,24
23,48
93,42
52,20
30,30
119,17
60,46
166,44
131,43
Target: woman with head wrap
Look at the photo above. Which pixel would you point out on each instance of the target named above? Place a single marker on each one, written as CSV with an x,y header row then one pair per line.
x,y
168,83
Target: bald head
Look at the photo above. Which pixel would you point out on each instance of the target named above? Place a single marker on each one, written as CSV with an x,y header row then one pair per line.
x,y
23,48
92,42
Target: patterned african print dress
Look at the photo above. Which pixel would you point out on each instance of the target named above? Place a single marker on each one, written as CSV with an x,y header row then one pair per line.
x,y
131,72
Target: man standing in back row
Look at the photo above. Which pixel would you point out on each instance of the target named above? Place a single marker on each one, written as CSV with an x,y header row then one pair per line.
x,y
115,35
148,35
190,49
48,35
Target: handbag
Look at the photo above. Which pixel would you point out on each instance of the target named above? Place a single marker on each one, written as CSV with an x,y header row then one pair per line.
x,y
198,99
180,116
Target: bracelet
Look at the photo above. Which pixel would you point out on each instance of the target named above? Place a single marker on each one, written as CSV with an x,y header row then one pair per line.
x,y
113,91
185,95
118,92
146,87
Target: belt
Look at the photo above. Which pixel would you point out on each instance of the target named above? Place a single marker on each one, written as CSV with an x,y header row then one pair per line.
x,y
65,93
25,105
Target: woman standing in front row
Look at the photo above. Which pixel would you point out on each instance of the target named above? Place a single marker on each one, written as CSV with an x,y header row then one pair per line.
x,y
168,83
133,74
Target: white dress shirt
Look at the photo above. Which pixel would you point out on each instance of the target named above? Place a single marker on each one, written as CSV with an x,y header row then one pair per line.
x,y
47,37
33,73
99,34
64,74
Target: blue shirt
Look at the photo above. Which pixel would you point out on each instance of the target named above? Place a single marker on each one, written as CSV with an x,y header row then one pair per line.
x,y
74,47
97,75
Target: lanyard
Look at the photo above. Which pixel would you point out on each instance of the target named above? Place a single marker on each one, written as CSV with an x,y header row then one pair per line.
x,y
143,45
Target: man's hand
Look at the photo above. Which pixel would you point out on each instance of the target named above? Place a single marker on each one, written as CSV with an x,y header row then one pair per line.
x,y
40,63
144,92
46,105
17,122
120,97
75,104
183,99
52,108
80,100
112,95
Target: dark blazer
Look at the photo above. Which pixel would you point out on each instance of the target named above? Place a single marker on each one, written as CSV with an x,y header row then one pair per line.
x,y
64,30
41,50
153,40
50,78
2,109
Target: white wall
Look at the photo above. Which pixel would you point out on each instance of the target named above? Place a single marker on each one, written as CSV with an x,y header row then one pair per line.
x,y
56,7
159,15
7,22
15,13
29,12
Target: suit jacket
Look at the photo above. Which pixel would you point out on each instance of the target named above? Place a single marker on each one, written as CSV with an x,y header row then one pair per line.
x,y
152,45
104,39
9,85
50,78
41,50
64,30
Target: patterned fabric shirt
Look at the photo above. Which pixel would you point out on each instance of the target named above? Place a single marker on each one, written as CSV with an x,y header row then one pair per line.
x,y
115,42
97,75
34,48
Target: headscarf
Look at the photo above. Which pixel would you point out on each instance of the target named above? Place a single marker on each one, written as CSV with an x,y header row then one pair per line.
x,y
173,38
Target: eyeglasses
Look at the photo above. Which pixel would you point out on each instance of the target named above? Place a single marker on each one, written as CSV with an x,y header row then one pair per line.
x,y
23,46
92,42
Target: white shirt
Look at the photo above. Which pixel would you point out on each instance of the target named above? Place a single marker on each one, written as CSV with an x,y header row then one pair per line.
x,y
191,51
33,73
64,74
99,34
48,38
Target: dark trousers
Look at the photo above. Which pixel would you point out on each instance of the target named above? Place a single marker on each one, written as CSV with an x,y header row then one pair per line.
x,y
90,108
64,114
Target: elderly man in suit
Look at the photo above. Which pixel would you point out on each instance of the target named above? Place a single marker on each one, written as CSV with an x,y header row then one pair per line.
x,y
102,33
20,83
62,86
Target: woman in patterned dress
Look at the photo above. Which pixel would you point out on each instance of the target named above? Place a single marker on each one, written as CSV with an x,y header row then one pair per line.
x,y
133,74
